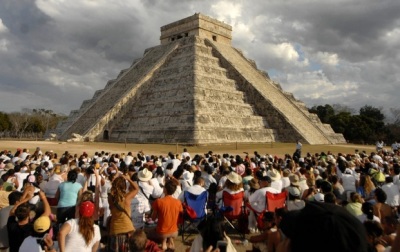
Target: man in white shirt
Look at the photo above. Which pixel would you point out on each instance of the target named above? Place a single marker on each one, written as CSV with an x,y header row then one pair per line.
x,y
196,189
392,192
258,200
185,154
128,159
276,179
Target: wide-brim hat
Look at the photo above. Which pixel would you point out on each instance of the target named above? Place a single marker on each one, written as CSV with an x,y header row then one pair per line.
x,y
145,175
253,183
234,178
294,179
9,166
274,174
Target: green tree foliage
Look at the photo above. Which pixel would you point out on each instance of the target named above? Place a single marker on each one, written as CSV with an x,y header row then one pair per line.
x,y
366,127
5,123
324,112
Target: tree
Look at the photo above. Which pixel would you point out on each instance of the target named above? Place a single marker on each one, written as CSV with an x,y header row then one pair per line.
x,y
5,123
324,112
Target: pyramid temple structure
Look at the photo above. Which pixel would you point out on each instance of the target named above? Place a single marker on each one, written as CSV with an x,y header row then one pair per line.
x,y
195,88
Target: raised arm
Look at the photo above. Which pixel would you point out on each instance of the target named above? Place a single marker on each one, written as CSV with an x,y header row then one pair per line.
x,y
133,190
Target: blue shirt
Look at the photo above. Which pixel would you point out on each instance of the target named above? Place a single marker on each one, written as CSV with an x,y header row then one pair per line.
x,y
68,193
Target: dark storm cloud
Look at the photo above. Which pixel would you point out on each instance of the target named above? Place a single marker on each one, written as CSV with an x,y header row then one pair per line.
x,y
57,53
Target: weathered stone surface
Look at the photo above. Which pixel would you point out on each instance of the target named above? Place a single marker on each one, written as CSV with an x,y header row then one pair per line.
x,y
194,88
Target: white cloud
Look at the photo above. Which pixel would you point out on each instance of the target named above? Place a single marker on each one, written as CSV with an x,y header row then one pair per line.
x,y
3,28
328,58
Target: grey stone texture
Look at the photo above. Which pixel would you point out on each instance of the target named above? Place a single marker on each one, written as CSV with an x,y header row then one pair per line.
x,y
195,88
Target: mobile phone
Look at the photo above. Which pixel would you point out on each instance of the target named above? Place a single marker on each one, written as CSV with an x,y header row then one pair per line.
x,y
222,245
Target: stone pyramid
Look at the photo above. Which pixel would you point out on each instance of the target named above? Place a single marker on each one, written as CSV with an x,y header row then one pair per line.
x,y
195,88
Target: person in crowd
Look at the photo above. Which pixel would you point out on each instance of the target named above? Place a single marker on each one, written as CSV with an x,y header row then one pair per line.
x,y
368,213
233,185
121,226
375,235
212,230
355,204
138,242
167,211
67,195
80,234
381,209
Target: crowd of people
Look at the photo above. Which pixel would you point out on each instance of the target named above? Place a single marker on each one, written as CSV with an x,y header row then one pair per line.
x,y
133,202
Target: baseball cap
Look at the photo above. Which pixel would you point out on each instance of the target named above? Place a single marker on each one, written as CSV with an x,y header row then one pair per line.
x,y
42,224
86,209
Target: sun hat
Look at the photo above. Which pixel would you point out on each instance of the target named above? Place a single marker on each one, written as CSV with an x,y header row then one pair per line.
x,y
253,183
42,224
294,191
145,175
234,178
274,174
294,179
86,209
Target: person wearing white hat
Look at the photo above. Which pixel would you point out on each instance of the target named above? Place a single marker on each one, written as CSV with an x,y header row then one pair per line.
x,y
275,176
233,185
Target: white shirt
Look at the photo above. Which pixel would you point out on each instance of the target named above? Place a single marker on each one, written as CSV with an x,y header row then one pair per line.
x,y
277,184
128,160
74,240
258,198
139,206
285,182
21,177
349,182
392,193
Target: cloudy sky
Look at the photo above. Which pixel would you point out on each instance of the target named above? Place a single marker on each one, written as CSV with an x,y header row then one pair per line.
x,y
55,53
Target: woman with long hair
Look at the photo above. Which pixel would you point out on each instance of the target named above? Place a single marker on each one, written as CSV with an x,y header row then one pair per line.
x,y
67,194
80,234
121,226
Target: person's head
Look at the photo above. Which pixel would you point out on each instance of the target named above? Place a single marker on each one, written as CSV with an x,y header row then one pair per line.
x,y
330,198
332,226
212,230
14,197
118,188
86,211
368,209
264,181
169,187
234,182
72,176
198,181
268,220
22,211
380,195
138,241
355,197
41,226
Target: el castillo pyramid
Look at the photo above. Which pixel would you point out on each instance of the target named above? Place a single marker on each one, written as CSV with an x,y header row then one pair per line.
x,y
195,88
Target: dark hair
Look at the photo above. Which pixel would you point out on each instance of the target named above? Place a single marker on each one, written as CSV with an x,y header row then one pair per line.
x,y
380,195
159,171
330,198
368,209
22,211
72,176
170,187
14,197
197,180
212,230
